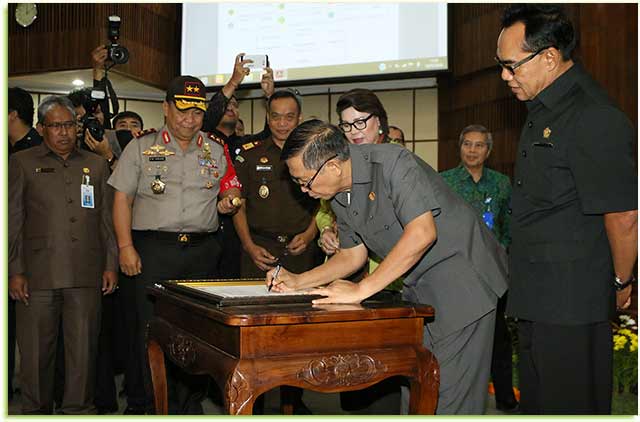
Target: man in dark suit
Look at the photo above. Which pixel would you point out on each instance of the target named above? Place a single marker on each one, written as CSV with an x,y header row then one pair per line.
x,y
62,256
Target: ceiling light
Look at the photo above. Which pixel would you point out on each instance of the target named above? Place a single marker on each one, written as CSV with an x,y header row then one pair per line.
x,y
78,82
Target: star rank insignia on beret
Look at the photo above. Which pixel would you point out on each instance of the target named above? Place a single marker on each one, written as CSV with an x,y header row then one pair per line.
x,y
145,132
190,87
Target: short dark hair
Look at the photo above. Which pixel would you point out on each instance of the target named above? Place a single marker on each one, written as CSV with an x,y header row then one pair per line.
x,y
21,102
365,101
399,130
317,141
286,93
80,97
128,114
545,25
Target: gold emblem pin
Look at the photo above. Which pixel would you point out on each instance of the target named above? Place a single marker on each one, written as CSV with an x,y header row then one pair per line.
x,y
546,132
264,160
158,186
209,185
263,191
216,174
86,170
372,196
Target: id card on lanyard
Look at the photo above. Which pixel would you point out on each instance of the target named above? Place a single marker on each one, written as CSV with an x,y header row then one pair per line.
x,y
86,190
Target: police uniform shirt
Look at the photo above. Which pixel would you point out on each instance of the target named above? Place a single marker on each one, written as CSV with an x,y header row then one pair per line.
x,y
574,163
192,181
274,203
31,139
463,273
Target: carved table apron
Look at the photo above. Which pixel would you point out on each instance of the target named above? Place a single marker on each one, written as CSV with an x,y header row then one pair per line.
x,y
249,350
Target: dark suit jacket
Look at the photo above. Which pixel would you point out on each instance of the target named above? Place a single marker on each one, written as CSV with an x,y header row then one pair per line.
x,y
53,241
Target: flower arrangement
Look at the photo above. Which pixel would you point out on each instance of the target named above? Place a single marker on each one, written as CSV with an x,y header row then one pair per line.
x,y
625,354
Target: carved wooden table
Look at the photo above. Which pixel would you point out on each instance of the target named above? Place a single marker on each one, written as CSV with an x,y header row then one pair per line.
x,y
249,350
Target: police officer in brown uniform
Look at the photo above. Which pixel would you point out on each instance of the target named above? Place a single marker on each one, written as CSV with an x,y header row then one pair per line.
x,y
276,221
170,186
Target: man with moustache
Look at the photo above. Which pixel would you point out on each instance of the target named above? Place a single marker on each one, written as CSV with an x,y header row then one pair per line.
x,y
574,219
171,186
62,258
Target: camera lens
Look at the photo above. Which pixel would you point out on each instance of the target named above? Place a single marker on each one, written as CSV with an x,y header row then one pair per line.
x,y
119,54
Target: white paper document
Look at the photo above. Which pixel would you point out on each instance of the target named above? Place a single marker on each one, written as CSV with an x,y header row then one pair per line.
x,y
244,291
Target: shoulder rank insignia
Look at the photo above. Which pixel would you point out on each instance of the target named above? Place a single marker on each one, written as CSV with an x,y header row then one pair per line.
x,y
250,145
145,132
215,138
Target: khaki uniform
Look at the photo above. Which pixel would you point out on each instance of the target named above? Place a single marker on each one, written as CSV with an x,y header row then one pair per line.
x,y
277,209
192,178
174,230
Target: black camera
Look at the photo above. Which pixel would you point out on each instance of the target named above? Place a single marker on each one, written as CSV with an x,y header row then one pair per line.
x,y
115,52
89,120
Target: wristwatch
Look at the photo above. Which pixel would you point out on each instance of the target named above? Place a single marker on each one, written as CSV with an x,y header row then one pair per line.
x,y
621,285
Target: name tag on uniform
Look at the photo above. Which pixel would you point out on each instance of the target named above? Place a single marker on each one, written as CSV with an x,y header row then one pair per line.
x,y
157,158
45,170
86,191
260,167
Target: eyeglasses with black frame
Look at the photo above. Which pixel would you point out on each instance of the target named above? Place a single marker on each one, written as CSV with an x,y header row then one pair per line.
x,y
359,124
57,126
307,185
511,68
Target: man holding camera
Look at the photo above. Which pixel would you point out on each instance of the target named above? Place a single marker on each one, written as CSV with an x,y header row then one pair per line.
x,y
171,186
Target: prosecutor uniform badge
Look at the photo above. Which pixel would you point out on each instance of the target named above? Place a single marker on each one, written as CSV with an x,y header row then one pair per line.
x,y
263,191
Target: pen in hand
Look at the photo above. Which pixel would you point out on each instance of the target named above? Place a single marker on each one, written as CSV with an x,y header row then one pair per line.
x,y
275,275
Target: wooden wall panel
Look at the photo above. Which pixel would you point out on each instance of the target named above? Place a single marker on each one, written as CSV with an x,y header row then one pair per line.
x,y
64,34
474,93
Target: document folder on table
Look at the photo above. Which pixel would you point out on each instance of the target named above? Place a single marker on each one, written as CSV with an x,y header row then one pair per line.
x,y
235,292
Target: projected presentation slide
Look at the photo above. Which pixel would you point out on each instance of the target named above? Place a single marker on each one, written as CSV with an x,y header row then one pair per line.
x,y
307,41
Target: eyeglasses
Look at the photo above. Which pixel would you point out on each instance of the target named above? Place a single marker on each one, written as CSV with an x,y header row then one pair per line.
x,y
308,184
511,68
56,126
360,124
472,145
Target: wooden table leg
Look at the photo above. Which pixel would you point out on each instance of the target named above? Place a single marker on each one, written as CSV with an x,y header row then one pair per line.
x,y
424,388
239,396
158,376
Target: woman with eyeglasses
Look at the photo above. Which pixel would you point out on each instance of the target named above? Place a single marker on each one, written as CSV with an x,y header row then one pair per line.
x,y
363,119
